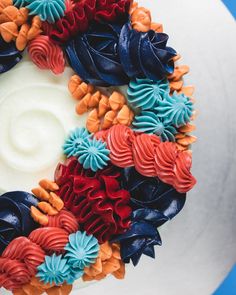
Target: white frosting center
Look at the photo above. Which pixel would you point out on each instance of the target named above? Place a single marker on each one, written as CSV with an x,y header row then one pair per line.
x,y
36,114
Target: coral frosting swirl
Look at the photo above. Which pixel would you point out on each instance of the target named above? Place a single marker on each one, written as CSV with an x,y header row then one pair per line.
x,y
150,156
97,201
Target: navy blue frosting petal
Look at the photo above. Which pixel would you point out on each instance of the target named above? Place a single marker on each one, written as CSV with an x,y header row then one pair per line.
x,y
15,218
151,192
94,55
142,235
145,54
9,56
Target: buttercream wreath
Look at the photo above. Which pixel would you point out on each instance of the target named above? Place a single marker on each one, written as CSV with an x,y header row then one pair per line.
x,y
126,173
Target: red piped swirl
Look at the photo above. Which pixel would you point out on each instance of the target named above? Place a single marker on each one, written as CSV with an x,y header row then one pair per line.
x,y
47,55
65,220
13,274
25,250
150,157
50,239
99,204
143,153
183,178
119,141
165,160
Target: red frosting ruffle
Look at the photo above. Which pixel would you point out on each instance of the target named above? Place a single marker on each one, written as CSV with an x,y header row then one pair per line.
x,y
81,13
150,156
97,201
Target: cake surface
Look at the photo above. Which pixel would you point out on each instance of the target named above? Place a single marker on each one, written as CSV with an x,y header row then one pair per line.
x,y
112,164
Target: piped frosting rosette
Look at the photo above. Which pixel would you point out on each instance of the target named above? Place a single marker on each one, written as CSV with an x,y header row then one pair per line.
x,y
124,172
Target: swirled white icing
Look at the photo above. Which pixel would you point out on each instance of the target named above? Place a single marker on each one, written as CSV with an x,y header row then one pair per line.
x,y
36,114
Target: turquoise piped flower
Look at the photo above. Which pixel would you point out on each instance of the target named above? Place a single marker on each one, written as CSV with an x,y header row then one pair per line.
x,y
73,142
82,250
145,94
176,110
93,154
148,122
47,10
75,274
54,270
19,3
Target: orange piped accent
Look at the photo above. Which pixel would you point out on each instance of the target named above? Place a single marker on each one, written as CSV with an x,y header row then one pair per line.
x,y
78,88
93,122
35,29
186,140
157,27
22,40
41,193
108,119
176,86
187,90
47,208
38,216
141,19
22,16
8,31
103,106
4,4
9,14
124,116
108,262
187,128
179,72
48,185
133,7
87,102
56,201
116,101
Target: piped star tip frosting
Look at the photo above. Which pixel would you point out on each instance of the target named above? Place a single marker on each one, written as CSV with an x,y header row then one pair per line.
x,y
126,171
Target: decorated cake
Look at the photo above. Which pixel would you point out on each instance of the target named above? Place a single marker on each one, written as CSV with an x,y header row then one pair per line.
x,y
95,132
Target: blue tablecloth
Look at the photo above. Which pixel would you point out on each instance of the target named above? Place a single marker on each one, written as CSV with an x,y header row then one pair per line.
x,y
231,5
228,287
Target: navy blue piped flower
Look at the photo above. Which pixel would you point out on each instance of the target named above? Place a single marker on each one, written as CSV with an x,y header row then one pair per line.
x,y
94,55
145,54
152,193
142,236
9,56
15,218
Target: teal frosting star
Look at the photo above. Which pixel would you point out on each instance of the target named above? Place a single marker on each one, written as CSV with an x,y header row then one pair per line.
x,y
82,250
73,142
47,10
149,122
145,93
175,110
54,270
93,154
19,3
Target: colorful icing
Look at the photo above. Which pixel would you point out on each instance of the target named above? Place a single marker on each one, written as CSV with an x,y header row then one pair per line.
x,y
9,56
15,219
96,64
79,191
54,270
141,19
166,158
47,10
93,154
145,54
20,3
73,143
145,94
176,110
46,55
142,235
150,122
82,250
108,262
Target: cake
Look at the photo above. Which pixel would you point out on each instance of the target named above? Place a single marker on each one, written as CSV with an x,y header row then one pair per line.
x,y
95,153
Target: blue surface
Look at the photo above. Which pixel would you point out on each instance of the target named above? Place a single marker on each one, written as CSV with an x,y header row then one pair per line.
x,y
228,287
231,5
